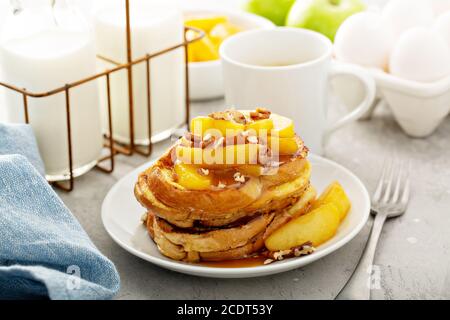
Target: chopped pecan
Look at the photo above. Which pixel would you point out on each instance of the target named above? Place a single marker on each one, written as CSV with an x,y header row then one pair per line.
x,y
238,117
221,185
260,114
238,177
220,115
302,250
191,140
207,141
268,261
240,138
252,139
229,115
192,137
263,111
218,143
203,172
302,152
187,143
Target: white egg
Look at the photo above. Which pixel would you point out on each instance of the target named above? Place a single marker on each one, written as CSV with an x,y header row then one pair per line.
x,y
402,15
421,54
364,39
442,26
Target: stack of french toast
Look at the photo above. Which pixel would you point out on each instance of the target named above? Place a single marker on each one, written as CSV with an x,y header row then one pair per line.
x,y
226,186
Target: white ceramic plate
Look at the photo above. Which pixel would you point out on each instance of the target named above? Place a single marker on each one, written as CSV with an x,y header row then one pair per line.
x,y
121,216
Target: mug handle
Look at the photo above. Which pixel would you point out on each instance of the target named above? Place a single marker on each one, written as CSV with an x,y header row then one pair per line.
x,y
370,88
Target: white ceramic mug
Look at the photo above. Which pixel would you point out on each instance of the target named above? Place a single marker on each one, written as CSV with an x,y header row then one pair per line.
x,y
287,70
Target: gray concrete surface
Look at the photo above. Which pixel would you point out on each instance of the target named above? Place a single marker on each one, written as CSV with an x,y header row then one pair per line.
x,y
413,258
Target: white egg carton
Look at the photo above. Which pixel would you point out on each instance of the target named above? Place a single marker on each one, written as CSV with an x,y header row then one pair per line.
x,y
419,108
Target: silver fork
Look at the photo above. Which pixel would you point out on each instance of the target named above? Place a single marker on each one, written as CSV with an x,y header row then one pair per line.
x,y
390,200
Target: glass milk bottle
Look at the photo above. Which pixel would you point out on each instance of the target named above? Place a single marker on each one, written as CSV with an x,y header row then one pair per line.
x,y
155,26
45,45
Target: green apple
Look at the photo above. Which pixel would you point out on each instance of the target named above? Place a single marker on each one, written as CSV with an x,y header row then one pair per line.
x,y
324,16
274,10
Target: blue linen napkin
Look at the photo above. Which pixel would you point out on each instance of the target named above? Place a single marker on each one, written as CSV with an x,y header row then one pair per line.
x,y
19,139
44,252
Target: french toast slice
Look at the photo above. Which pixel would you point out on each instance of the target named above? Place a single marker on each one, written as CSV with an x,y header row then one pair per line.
x,y
227,242
161,181
271,197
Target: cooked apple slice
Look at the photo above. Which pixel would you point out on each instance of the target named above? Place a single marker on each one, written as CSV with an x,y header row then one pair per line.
x,y
189,177
276,125
205,23
317,226
234,155
204,125
335,194
221,32
285,146
201,50
201,126
260,125
253,170
282,127
228,128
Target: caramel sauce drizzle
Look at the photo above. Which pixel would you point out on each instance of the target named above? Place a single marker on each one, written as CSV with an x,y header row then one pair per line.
x,y
240,263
